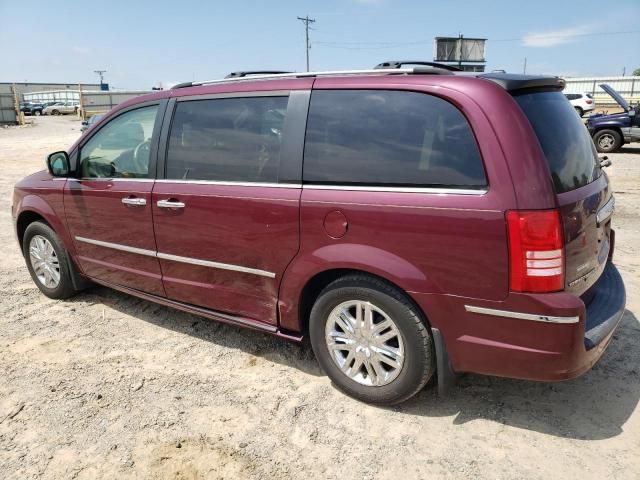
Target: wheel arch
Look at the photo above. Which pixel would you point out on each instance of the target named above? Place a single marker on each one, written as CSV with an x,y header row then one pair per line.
x,y
615,128
26,218
314,285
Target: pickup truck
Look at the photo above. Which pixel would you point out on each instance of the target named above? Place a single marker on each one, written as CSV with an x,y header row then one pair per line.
x,y
611,131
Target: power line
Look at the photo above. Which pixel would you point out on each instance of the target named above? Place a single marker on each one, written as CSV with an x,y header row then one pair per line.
x,y
387,45
306,20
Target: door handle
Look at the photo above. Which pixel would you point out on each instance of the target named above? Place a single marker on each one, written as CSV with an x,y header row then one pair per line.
x,y
138,202
170,204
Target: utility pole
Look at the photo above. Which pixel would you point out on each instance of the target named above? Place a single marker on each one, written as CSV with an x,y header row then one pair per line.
x,y
101,73
460,51
524,69
306,20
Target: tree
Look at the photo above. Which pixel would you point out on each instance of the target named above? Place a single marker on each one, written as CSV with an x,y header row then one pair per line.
x,y
636,72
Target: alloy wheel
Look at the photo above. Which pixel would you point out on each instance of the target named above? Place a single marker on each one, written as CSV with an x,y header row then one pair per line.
x,y
606,141
365,343
44,261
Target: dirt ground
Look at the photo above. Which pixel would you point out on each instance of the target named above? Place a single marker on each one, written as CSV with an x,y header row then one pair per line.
x,y
108,386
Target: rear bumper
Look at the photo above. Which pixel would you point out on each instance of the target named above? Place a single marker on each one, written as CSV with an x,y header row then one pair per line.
x,y
606,309
545,337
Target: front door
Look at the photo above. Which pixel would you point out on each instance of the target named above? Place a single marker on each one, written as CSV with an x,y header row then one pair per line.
x,y
226,223
108,207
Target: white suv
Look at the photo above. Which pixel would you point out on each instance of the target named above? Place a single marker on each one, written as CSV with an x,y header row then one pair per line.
x,y
582,102
61,108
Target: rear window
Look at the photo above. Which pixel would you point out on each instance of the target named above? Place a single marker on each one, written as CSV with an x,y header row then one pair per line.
x,y
389,138
564,139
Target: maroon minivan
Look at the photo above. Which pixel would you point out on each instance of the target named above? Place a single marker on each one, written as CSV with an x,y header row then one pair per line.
x,y
412,221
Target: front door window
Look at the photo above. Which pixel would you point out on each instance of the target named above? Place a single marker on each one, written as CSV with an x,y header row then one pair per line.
x,y
121,148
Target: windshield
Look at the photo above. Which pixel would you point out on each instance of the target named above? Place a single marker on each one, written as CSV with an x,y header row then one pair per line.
x,y
564,139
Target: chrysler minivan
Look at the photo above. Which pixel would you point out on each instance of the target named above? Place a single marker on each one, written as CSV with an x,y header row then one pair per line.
x,y
413,222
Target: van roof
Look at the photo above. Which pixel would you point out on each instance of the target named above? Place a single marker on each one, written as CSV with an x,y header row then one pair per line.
x,y
510,82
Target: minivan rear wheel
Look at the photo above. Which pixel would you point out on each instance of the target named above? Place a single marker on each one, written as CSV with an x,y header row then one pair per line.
x,y
607,141
371,341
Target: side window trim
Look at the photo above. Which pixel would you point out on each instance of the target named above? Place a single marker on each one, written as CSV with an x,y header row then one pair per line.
x,y
153,153
291,151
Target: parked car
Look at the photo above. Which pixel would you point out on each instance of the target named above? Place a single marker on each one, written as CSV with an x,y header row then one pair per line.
x,y
417,237
611,131
61,108
581,102
31,108
92,120
47,104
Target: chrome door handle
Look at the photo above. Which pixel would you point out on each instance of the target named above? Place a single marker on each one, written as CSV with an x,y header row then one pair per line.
x,y
139,202
170,204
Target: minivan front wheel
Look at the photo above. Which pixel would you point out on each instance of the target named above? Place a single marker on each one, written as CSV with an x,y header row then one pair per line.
x,y
371,341
47,261
607,141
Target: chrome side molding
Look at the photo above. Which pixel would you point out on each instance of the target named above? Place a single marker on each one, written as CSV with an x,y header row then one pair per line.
x,y
177,258
431,190
117,246
520,315
221,266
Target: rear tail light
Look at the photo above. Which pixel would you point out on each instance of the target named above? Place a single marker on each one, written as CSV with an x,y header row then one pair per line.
x,y
589,102
536,251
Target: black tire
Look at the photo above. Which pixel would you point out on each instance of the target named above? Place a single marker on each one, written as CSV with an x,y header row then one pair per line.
x,y
64,289
607,141
579,111
37,113
419,357
55,112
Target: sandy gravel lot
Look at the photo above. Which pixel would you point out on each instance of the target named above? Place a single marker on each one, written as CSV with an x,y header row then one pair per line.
x,y
108,386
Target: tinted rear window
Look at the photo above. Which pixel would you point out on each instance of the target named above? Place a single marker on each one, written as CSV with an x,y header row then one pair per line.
x,y
389,138
564,139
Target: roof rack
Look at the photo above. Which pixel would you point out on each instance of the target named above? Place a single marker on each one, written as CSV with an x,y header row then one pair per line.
x,y
401,63
379,71
256,72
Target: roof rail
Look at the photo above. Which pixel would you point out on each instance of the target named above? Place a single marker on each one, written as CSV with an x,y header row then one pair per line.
x,y
401,63
389,71
255,72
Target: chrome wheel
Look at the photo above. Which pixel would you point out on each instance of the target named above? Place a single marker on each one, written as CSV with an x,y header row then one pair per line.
x,y
606,141
364,343
44,261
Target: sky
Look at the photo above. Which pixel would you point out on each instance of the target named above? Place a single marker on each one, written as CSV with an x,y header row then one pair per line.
x,y
145,43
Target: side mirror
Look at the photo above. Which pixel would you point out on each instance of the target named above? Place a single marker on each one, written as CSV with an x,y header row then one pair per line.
x,y
58,164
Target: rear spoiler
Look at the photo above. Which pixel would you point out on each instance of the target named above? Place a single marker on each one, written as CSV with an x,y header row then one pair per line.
x,y
515,83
